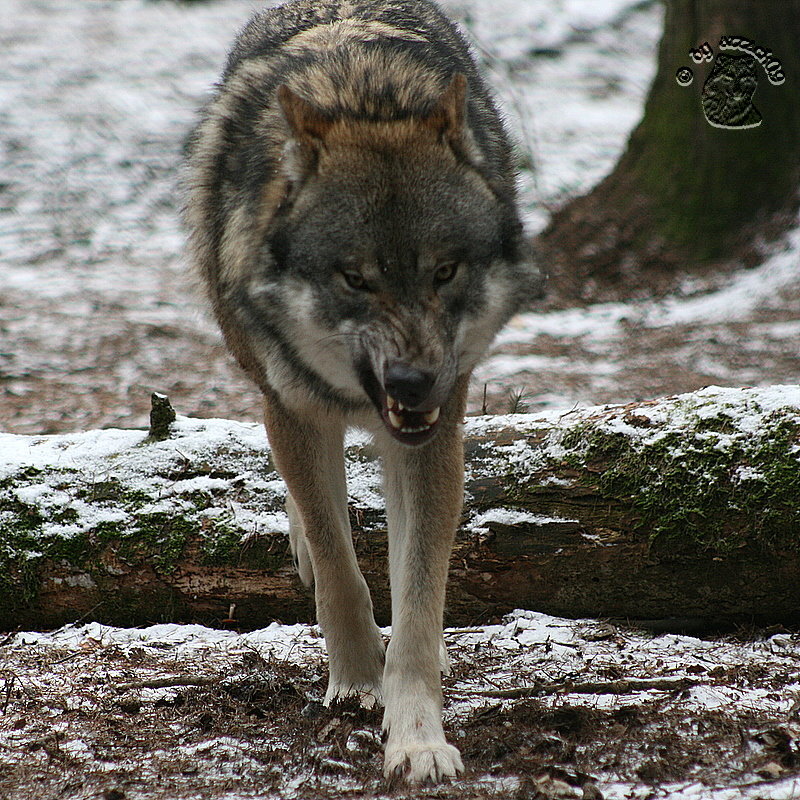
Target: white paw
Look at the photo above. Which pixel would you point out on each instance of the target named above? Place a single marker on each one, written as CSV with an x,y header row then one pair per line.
x,y
421,763
368,695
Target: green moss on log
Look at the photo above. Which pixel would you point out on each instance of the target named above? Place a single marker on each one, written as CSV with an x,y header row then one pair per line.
x,y
122,515
712,472
715,472
706,483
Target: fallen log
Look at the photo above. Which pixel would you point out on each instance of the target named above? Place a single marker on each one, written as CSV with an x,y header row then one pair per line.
x,y
684,509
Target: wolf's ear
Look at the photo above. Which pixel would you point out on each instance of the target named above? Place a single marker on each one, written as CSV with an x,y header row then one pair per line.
x,y
447,115
308,124
308,127
448,118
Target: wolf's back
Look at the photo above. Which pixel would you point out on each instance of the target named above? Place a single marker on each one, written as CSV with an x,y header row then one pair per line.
x,y
363,59
374,59
360,60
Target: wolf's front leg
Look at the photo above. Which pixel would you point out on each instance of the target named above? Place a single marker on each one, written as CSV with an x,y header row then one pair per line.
x,y
424,489
309,453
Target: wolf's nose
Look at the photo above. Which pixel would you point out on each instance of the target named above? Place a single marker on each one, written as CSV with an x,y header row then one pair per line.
x,y
407,384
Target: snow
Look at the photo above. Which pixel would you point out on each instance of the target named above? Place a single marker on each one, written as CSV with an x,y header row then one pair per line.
x,y
565,647
97,98
126,461
47,451
227,463
510,516
737,300
744,292
96,309
138,99
90,208
527,649
746,407
786,789
294,643
580,61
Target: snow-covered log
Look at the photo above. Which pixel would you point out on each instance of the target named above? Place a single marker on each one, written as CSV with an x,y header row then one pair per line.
x,y
680,509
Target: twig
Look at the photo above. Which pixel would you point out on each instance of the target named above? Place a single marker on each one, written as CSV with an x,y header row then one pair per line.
x,y
624,686
10,681
165,683
460,631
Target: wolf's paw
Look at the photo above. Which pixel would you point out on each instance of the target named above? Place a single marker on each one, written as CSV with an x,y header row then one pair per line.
x,y
367,695
421,763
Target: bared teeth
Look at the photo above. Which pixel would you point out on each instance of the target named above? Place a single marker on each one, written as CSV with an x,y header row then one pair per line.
x,y
432,416
395,411
393,404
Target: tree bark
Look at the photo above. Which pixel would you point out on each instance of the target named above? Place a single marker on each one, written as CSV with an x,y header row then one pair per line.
x,y
686,195
678,512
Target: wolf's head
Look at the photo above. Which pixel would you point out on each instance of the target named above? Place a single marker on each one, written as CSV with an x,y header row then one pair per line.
x,y
400,255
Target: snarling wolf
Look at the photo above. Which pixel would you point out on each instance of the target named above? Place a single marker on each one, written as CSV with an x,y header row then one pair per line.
x,y
350,200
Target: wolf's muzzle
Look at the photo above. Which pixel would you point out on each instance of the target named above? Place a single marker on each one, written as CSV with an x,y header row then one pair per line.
x,y
404,398
404,410
406,384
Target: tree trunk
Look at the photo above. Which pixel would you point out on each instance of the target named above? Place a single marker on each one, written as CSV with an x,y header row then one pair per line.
x,y
683,509
687,194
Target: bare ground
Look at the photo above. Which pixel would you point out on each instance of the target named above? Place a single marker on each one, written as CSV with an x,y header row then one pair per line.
x,y
111,721
97,370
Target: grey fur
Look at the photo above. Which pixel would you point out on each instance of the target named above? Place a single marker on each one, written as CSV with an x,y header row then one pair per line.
x,y
351,212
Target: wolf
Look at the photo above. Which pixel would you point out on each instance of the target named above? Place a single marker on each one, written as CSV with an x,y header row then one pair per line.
x,y
351,211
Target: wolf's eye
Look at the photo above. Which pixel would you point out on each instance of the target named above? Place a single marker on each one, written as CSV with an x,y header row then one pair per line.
x,y
355,280
445,272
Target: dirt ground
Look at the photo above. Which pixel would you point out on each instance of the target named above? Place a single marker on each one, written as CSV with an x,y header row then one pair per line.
x,y
98,369
96,390
115,720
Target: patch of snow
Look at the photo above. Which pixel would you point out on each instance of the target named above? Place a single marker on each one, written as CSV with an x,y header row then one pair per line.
x,y
786,789
595,351
254,523
510,516
600,322
745,473
63,452
507,365
527,650
81,579
745,291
